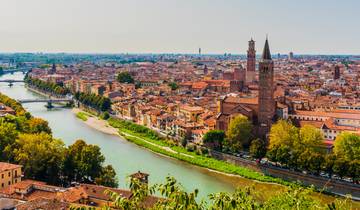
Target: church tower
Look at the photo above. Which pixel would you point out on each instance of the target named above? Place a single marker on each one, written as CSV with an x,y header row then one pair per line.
x,y
251,62
266,91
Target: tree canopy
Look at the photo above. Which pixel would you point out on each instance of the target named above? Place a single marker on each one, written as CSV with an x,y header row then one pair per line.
x,y
347,145
214,139
125,77
239,132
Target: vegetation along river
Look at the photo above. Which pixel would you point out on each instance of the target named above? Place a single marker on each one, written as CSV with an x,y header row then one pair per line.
x,y
127,157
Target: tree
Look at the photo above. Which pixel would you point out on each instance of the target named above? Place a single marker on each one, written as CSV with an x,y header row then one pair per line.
x,y
8,135
347,145
340,167
239,132
38,125
173,85
214,139
283,133
311,137
83,162
294,198
40,155
125,77
105,115
257,148
328,164
240,199
354,170
107,177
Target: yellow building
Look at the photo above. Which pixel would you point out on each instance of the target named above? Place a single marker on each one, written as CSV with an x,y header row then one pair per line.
x,y
9,174
190,113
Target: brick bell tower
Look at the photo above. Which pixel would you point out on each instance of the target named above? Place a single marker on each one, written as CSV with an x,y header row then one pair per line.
x,y
251,62
266,91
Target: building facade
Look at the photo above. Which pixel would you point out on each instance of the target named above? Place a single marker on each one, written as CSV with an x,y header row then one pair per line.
x,y
266,91
251,62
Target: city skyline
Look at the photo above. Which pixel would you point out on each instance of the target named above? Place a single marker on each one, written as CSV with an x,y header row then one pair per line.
x,y
321,27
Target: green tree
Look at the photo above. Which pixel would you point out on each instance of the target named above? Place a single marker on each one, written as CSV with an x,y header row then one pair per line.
x,y
107,177
240,199
239,132
328,164
8,135
38,125
173,85
125,77
257,148
105,115
41,156
347,145
214,139
283,133
354,170
294,198
341,167
83,162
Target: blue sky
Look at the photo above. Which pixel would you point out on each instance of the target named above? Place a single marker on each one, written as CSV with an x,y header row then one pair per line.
x,y
179,26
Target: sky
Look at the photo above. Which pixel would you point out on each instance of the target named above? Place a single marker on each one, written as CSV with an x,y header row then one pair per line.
x,y
179,26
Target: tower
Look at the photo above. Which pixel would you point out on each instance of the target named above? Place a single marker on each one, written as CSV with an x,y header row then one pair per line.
x,y
266,91
337,72
53,69
251,62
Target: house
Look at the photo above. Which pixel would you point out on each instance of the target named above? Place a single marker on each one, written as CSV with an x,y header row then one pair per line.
x,y
9,174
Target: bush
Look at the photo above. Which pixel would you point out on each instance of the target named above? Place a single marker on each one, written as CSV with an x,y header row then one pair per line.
x,y
190,147
105,115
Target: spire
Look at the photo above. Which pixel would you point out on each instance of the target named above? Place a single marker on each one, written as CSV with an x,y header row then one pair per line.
x,y
266,53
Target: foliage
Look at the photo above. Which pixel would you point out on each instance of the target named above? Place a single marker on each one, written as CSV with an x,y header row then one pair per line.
x,y
128,125
257,148
105,115
174,196
347,145
82,115
92,100
47,86
16,106
40,155
239,132
125,77
107,177
27,141
8,135
143,139
296,148
83,162
173,85
214,139
38,125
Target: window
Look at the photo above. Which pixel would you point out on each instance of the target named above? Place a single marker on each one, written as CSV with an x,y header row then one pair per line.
x,y
9,183
2,176
2,184
15,180
9,174
15,173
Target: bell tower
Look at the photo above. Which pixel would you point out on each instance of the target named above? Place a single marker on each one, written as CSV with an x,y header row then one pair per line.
x,y
266,91
251,62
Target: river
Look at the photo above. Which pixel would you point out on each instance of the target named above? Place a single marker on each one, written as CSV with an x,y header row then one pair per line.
x,y
128,158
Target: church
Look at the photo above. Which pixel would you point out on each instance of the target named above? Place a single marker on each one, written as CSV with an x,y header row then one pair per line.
x,y
261,110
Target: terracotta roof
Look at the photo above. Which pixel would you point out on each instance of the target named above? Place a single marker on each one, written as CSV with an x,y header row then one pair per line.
x,y
8,166
43,203
354,116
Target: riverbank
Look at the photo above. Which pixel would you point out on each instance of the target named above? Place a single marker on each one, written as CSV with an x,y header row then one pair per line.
x,y
173,152
231,171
